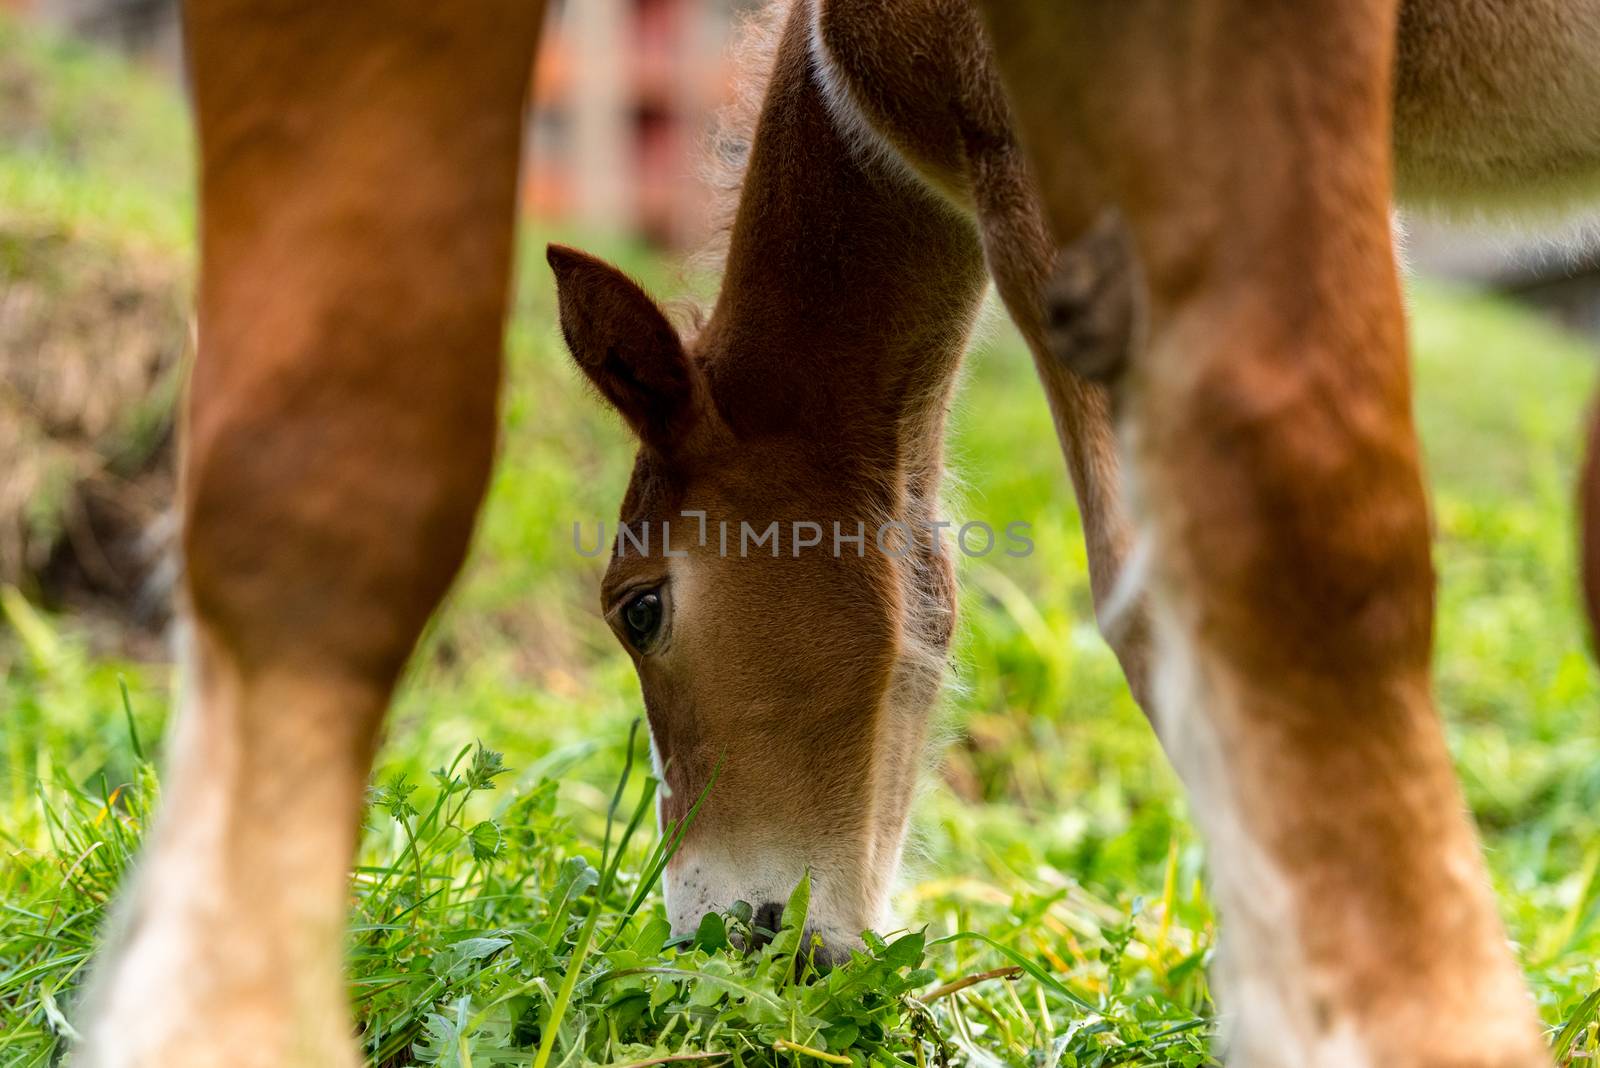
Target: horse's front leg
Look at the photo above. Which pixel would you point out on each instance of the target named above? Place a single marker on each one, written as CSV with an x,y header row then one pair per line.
x,y
358,174
1276,470
1027,274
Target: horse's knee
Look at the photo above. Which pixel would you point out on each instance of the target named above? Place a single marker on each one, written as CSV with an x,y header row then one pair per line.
x,y
1281,470
1092,301
322,535
342,407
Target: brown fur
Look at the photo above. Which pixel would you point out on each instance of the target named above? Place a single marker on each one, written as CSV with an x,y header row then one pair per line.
x,y
1495,114
827,405
1589,511
946,113
1247,145
1225,174
358,166
1201,219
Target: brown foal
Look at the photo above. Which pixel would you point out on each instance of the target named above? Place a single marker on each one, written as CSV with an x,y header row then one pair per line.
x,y
1208,236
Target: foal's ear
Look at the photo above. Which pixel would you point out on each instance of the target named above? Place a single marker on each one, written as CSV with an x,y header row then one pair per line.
x,y
624,344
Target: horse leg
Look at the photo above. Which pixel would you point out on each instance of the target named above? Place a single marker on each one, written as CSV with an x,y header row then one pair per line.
x,y
358,174
1030,276
915,81
1275,463
1589,509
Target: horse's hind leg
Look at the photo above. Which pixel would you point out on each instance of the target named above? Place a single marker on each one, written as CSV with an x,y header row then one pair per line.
x,y
1246,142
915,80
358,172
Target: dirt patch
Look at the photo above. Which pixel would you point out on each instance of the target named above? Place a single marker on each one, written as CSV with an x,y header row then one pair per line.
x,y
92,340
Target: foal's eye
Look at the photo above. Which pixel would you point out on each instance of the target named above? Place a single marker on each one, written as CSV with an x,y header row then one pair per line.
x,y
642,618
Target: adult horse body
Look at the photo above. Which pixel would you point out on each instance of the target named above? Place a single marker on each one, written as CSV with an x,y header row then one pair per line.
x,y
1208,228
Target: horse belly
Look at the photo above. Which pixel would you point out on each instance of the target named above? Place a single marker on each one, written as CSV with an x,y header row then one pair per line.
x,y
1497,105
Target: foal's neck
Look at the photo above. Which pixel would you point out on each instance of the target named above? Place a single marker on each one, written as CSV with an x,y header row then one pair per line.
x,y
850,288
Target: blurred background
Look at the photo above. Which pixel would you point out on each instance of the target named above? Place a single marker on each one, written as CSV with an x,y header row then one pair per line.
x,y
625,91
625,96
1053,821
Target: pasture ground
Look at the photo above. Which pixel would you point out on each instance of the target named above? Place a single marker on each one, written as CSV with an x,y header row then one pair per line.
x,y
499,922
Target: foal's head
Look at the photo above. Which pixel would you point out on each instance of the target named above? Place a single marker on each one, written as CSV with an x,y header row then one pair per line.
x,y
798,669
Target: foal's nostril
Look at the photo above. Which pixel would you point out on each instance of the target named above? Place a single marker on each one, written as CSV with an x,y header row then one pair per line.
x,y
767,920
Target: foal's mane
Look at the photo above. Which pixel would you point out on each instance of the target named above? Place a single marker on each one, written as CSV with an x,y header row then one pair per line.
x,y
753,53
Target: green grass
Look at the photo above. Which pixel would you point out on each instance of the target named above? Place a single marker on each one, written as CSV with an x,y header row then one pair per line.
x,y
1053,839
90,144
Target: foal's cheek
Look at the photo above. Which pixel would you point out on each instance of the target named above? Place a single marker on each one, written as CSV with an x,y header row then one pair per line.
x,y
675,737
